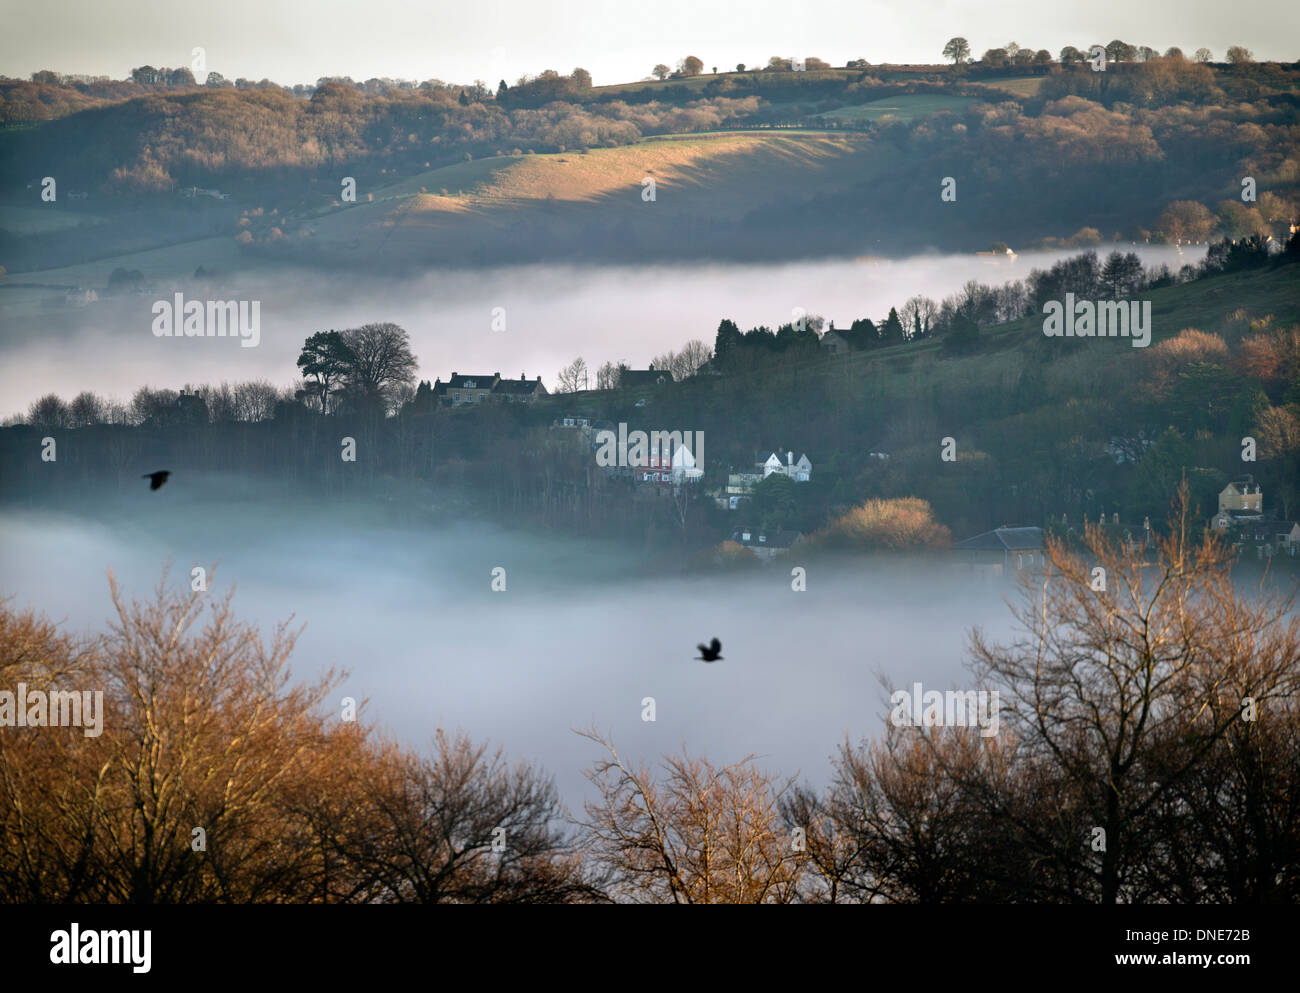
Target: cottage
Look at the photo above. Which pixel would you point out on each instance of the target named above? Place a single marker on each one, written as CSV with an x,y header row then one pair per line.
x,y
460,391
191,407
644,377
1004,547
1269,537
835,342
740,487
571,421
1242,493
521,390
766,544
800,471
1241,500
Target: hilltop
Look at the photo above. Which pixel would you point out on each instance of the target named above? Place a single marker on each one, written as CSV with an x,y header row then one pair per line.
x,y
755,165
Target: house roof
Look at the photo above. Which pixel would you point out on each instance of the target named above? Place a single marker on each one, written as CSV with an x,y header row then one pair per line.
x,y
858,339
1004,539
772,539
1269,526
644,377
518,385
459,382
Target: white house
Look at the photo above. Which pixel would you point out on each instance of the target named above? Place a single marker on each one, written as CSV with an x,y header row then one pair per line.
x,y
684,467
800,471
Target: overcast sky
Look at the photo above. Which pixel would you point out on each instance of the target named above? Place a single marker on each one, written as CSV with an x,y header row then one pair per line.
x,y
291,41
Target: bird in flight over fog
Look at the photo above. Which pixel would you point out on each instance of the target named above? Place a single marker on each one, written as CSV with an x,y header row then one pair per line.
x,y
711,652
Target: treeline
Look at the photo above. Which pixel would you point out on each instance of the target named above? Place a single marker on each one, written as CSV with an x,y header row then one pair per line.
x,y
958,317
1044,427
269,138
1147,754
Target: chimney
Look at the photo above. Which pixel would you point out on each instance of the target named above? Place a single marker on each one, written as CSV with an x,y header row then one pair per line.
x,y
1114,518
789,458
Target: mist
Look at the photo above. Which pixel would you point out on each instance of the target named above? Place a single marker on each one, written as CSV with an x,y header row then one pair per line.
x,y
580,637
552,314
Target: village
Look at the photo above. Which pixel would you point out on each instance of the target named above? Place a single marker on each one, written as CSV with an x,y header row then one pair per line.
x,y
660,462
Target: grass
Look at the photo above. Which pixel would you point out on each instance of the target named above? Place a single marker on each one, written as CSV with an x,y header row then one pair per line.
x,y
164,265
1025,86
41,220
906,107
720,175
750,77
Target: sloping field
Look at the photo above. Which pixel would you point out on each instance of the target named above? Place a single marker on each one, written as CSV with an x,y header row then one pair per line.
x,y
699,179
1025,86
906,107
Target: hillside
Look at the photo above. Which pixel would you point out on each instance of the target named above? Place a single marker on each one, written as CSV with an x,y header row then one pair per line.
x,y
751,166
589,204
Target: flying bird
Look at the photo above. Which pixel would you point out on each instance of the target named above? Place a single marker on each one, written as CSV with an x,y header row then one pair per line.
x,y
156,479
711,652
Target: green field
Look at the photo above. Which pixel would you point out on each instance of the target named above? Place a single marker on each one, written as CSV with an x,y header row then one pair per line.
x,y
907,107
43,219
719,175
747,78
1025,86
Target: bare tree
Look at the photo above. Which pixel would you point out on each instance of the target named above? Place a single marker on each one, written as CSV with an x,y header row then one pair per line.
x,y
86,409
254,400
687,362
919,314
608,376
573,377
704,834
1130,673
462,826
49,412
148,404
379,365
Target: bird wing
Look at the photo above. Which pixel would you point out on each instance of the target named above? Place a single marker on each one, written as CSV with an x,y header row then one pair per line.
x,y
702,650
716,645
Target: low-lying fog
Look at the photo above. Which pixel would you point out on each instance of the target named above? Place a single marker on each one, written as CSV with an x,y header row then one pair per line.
x,y
579,636
552,315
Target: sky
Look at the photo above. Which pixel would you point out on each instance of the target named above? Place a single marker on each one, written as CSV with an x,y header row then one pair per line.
x,y
291,41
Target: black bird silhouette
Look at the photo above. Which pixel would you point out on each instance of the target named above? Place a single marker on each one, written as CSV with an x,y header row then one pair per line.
x,y
710,653
156,479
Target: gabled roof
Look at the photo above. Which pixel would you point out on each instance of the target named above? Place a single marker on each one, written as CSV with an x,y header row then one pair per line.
x,y
858,340
459,382
644,377
524,386
1005,539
